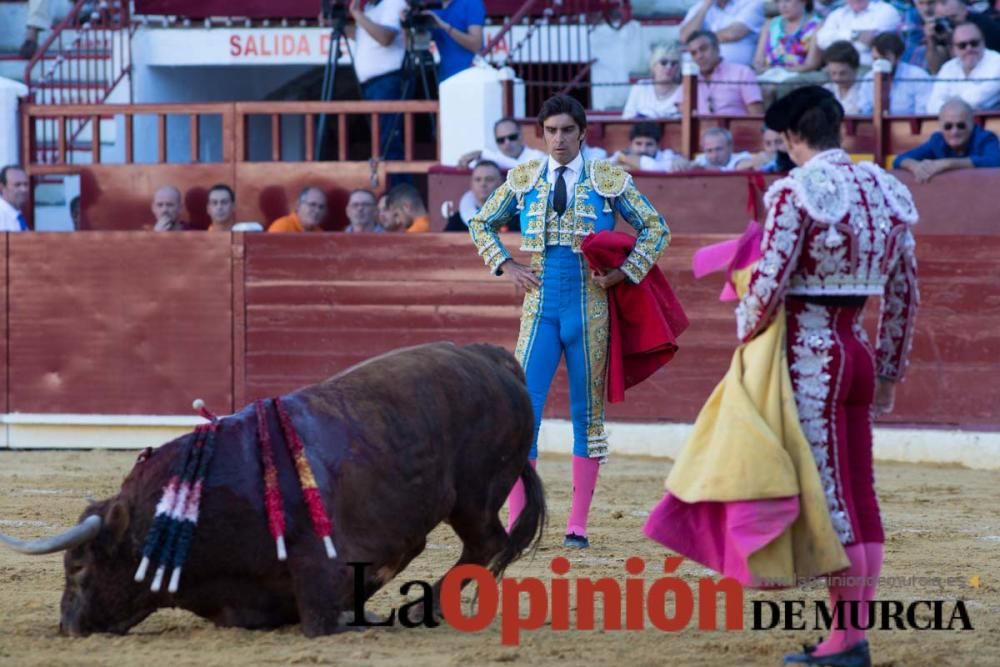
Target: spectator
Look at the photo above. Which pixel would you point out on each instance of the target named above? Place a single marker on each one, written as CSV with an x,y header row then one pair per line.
x,y
39,19
166,210
486,178
361,213
767,160
723,87
310,209
660,95
910,85
735,24
853,93
459,34
407,210
378,57
644,152
918,33
221,208
717,143
858,22
959,144
75,214
953,13
787,49
511,149
15,189
972,75
383,216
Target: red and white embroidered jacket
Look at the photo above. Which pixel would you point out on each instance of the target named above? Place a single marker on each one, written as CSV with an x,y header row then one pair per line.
x,y
839,228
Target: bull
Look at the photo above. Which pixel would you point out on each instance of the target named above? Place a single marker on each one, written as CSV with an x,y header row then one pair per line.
x,y
398,444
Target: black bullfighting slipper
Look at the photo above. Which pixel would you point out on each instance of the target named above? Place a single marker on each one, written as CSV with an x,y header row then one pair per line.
x,y
855,656
575,541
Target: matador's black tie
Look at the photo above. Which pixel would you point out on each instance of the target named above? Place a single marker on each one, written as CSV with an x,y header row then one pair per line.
x,y
559,194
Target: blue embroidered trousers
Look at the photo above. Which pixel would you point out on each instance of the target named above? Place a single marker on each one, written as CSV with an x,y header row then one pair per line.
x,y
567,315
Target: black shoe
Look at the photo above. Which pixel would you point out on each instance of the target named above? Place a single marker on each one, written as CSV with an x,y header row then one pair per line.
x,y
28,48
575,541
855,656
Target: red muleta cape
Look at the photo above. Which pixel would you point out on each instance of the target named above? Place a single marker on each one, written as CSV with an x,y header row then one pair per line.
x,y
644,320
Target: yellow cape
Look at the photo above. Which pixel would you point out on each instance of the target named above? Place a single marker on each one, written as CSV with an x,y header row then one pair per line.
x,y
748,444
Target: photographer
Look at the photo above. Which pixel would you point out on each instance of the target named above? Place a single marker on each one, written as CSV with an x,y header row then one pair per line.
x,y
938,33
457,31
377,60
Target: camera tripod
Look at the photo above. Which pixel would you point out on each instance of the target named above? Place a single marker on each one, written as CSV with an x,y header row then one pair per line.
x,y
337,39
418,68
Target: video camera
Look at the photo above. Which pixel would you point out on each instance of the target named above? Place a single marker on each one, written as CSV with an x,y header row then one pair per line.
x,y
943,27
417,18
335,11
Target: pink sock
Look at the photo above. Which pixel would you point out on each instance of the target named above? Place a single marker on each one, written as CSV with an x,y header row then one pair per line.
x,y
873,569
584,481
848,591
515,501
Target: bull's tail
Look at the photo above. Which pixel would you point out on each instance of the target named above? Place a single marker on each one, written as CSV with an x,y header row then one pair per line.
x,y
527,531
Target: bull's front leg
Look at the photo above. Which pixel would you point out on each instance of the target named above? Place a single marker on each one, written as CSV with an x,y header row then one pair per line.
x,y
322,587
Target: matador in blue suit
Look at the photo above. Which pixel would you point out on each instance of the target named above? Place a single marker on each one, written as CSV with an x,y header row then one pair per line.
x,y
560,201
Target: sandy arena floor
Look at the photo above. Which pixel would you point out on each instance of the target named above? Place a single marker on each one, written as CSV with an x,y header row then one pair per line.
x,y
941,522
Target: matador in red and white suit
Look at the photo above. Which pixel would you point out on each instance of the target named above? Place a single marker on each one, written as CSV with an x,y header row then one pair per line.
x,y
837,233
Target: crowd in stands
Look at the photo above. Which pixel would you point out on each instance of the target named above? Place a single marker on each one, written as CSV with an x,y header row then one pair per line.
x,y
942,58
936,50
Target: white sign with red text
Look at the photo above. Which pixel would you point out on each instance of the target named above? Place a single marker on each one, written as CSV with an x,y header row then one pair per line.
x,y
311,46
227,46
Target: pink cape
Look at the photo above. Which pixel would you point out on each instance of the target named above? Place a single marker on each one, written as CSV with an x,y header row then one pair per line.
x,y
723,535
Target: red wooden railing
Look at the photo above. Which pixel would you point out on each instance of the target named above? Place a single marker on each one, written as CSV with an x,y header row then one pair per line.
x,y
233,137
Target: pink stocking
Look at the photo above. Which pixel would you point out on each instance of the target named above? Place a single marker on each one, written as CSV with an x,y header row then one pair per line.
x,y
848,591
873,569
515,501
584,481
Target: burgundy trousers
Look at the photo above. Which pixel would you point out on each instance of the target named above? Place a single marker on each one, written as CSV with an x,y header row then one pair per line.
x,y
833,375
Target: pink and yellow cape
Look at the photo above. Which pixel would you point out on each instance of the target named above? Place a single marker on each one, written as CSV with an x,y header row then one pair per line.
x,y
744,497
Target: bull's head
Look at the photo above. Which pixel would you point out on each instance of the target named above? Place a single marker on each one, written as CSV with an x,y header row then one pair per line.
x,y
100,594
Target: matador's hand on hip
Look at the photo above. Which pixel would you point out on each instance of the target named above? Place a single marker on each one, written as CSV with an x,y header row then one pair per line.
x,y
522,275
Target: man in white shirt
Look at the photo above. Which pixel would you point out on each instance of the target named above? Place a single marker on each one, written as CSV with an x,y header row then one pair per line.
x,y
972,75
859,22
717,143
643,153
14,192
378,57
510,152
910,84
735,22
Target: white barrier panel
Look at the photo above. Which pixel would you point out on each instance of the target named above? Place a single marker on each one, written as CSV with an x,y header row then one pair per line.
x,y
10,91
471,102
972,449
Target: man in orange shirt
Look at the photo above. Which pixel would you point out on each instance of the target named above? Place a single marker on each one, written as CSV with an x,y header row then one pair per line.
x,y
406,210
307,216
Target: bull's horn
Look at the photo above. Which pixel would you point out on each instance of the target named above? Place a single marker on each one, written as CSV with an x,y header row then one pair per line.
x,y
79,534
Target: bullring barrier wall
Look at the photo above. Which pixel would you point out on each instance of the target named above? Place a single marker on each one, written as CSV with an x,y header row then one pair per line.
x,y
108,336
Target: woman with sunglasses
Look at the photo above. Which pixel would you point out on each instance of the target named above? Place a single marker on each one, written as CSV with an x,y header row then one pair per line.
x,y
660,95
959,144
